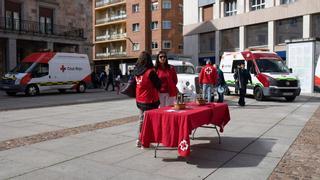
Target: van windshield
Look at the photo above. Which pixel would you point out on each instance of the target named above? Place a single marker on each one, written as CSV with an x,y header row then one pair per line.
x,y
184,69
272,65
22,68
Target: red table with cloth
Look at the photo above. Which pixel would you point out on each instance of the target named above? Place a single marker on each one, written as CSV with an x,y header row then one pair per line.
x,y
172,127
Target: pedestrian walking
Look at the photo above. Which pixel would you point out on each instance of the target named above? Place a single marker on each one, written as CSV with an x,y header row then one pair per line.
x,y
110,80
148,85
102,78
242,76
169,80
221,85
208,79
117,83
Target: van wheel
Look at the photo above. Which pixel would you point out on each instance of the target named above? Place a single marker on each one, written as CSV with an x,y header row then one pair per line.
x,y
62,90
11,93
32,90
81,87
258,94
290,98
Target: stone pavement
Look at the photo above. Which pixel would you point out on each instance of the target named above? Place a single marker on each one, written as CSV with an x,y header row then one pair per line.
x,y
255,141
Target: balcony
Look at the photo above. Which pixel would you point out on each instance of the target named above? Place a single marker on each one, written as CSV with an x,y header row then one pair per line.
x,y
37,28
111,19
113,53
107,2
111,37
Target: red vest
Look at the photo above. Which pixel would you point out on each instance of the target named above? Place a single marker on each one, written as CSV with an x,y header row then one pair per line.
x,y
208,75
145,90
169,80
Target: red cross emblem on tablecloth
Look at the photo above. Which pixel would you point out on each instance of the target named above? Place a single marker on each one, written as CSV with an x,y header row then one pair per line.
x,y
183,145
208,70
63,68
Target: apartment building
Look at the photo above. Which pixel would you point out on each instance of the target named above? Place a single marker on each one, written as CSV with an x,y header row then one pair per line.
x,y
212,27
123,29
35,25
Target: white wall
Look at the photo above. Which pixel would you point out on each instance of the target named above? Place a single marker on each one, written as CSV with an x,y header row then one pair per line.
x,y
190,12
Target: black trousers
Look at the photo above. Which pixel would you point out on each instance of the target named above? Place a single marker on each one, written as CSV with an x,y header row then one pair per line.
x,y
110,83
242,94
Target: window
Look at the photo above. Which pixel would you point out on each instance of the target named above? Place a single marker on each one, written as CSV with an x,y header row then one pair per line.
x,y
230,7
166,24
13,15
136,27
166,4
287,1
40,70
180,46
154,6
180,27
230,39
135,46
135,8
166,44
288,29
207,42
257,4
154,45
154,25
181,8
45,20
257,35
315,26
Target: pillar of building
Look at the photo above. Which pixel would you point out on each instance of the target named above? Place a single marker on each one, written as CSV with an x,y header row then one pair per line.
x,y
12,53
306,26
200,14
247,6
50,46
241,6
242,38
216,10
271,35
222,4
277,2
217,47
269,3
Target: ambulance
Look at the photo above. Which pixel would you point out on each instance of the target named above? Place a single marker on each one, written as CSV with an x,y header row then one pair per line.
x,y
45,71
270,76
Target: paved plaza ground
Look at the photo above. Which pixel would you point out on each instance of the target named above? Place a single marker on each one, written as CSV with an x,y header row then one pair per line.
x,y
271,139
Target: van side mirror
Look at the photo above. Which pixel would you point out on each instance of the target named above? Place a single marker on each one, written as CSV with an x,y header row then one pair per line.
x,y
290,70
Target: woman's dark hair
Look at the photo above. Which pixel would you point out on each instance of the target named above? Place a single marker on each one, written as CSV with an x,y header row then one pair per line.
x,y
145,59
166,65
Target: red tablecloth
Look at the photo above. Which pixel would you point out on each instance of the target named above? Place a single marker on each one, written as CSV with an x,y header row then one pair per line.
x,y
172,127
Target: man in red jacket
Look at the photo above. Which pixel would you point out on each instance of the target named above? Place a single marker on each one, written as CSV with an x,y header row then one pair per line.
x,y
208,79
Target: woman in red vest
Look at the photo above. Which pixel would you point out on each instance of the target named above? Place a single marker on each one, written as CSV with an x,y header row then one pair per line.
x,y
147,87
169,80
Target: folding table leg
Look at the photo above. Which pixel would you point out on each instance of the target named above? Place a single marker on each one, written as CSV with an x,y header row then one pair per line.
x,y
155,150
193,133
218,133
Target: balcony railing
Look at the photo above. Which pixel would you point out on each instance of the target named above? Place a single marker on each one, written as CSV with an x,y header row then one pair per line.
x,y
107,2
110,19
34,27
111,37
111,54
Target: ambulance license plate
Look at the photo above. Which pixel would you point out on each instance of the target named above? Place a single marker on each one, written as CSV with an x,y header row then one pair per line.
x,y
287,94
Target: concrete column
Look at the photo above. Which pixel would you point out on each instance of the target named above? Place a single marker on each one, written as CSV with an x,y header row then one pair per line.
x,y
269,3
247,6
2,8
242,38
222,9
306,26
241,6
271,35
12,53
218,47
50,46
216,10
200,14
277,2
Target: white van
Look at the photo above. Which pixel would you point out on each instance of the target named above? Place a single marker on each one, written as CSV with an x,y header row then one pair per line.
x,y
270,75
44,71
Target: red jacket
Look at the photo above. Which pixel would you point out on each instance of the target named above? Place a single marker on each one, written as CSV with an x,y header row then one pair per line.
x,y
208,75
169,80
145,90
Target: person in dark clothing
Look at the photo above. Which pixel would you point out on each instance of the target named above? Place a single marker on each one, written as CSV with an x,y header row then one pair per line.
x,y
220,84
110,80
147,88
242,75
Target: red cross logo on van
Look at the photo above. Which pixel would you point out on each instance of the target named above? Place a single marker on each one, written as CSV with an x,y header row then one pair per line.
x,y
63,68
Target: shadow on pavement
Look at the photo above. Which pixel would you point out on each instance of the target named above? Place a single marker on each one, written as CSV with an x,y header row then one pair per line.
x,y
214,155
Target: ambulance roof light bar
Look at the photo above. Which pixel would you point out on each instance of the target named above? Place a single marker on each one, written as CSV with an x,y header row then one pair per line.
x,y
257,49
